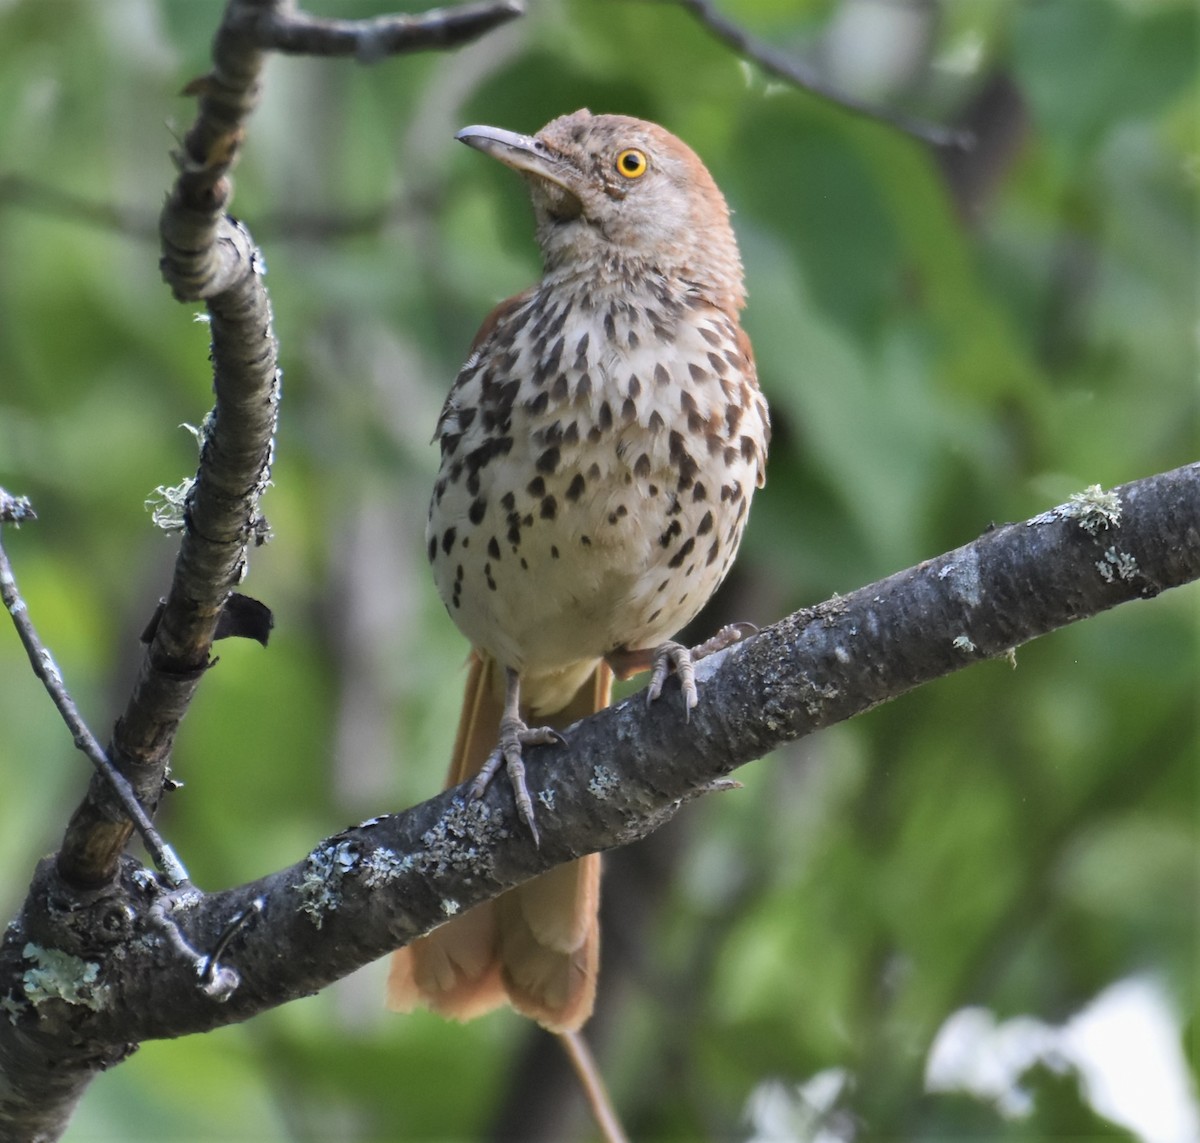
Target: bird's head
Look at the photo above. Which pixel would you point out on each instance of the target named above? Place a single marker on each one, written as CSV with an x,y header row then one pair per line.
x,y
614,194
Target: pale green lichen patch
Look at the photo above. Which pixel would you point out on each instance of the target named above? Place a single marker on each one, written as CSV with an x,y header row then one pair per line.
x,y
1094,509
167,505
1116,565
321,885
57,975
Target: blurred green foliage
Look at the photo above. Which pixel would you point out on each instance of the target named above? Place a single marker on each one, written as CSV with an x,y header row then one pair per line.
x,y
940,352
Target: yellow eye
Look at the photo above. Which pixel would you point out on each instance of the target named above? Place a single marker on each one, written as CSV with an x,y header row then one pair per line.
x,y
632,163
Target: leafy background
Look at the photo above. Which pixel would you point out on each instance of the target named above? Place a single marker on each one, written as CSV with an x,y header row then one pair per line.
x,y
943,344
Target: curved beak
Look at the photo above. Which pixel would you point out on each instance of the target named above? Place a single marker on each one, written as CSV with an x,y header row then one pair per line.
x,y
524,153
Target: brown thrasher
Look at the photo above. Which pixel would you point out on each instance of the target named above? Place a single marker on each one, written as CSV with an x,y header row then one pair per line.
x,y
599,450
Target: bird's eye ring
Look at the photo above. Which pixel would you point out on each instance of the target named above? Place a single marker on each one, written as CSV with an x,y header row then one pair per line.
x,y
632,163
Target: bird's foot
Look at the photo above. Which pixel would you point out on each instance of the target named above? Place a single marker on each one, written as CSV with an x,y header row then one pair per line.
x,y
671,656
668,657
510,753
730,634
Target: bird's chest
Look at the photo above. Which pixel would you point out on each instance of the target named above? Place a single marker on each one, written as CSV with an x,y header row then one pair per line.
x,y
595,477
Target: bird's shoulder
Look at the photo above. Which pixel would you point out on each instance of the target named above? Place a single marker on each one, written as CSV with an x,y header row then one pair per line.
x,y
495,321
485,347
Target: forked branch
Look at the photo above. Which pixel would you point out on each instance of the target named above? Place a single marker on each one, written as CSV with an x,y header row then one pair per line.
x,y
208,257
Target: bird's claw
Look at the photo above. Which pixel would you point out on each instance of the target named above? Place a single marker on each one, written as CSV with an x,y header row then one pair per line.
x,y
510,753
675,656
730,634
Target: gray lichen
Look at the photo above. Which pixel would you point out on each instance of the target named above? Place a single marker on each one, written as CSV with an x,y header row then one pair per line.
x,y
11,1008
320,888
382,866
603,781
1114,565
450,844
963,577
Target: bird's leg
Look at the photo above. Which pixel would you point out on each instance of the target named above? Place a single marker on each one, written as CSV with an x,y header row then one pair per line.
x,y
515,735
668,656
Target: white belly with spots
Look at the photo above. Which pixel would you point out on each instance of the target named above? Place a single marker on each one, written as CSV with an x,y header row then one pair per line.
x,y
594,505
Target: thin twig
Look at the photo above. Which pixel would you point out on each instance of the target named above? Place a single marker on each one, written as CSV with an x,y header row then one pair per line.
x,y
800,74
55,202
15,509
286,225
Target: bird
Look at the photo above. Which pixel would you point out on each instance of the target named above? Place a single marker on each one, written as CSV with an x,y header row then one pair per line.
x,y
599,451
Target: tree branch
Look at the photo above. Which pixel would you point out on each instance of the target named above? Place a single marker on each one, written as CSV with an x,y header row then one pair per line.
x,y
128,962
282,29
799,74
207,256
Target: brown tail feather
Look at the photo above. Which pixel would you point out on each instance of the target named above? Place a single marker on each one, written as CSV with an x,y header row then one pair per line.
x,y
536,947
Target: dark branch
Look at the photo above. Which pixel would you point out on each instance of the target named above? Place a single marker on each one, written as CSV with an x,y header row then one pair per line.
x,y
207,256
141,952
799,74
79,910
371,40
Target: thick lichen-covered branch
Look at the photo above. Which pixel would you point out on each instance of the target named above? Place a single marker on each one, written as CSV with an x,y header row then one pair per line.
x,y
623,771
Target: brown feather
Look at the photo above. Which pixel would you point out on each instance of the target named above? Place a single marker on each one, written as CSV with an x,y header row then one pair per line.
x,y
537,946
